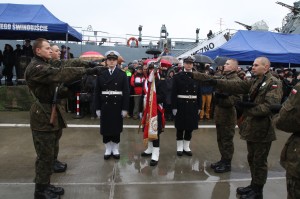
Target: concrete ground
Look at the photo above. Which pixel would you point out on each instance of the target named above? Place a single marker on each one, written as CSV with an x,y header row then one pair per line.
x,y
89,176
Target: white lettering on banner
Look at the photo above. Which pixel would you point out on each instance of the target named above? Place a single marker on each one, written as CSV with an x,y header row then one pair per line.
x,y
207,45
5,26
24,27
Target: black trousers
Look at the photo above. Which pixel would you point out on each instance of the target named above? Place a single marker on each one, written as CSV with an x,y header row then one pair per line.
x,y
115,139
187,134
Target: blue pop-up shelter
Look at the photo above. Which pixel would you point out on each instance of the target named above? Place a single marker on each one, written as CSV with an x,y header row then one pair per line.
x,y
245,46
25,21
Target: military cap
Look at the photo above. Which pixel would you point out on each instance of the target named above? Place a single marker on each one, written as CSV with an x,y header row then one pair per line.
x,y
112,54
188,59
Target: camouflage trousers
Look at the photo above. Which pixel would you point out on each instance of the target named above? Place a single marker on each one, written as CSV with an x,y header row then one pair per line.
x,y
225,134
293,187
258,161
56,149
44,144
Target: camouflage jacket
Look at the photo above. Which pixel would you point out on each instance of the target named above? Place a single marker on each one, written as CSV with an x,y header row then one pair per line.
x,y
42,79
225,112
288,120
256,126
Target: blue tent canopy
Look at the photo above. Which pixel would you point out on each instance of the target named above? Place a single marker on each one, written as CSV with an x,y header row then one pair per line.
x,y
248,45
24,21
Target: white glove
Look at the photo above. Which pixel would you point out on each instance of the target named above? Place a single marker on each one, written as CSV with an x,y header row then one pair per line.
x,y
174,111
98,113
141,115
124,113
199,110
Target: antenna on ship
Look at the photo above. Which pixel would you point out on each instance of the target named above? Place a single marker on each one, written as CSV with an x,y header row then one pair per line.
x,y
221,23
140,33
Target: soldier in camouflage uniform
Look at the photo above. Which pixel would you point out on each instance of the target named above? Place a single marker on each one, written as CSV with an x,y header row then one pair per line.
x,y
225,118
288,120
42,80
58,166
256,127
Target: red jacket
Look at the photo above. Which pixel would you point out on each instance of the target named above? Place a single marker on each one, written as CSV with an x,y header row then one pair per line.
x,y
137,82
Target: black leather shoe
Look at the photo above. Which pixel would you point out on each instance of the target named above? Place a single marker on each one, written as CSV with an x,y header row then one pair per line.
x,y
179,153
117,156
222,168
58,167
216,164
243,190
106,157
146,154
153,163
56,190
252,195
188,153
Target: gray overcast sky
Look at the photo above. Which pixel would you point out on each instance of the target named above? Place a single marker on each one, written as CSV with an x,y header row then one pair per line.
x,y
120,17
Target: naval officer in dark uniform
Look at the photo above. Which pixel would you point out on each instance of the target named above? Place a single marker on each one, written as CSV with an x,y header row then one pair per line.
x,y
186,103
112,103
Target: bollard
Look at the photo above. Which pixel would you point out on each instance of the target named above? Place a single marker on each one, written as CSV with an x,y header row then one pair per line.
x,y
78,116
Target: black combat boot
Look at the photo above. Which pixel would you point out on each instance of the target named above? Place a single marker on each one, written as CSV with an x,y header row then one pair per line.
x,y
255,193
57,190
42,192
59,167
216,164
243,190
225,166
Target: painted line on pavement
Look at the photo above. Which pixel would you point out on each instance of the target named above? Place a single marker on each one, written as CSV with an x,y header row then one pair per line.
x,y
146,183
97,126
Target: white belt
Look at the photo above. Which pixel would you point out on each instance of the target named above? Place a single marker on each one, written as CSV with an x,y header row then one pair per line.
x,y
187,96
112,93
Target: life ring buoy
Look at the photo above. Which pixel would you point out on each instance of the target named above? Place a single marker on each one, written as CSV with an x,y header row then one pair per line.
x,y
133,39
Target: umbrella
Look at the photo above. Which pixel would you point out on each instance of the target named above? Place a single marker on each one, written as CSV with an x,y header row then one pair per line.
x,y
220,61
203,59
163,63
91,56
120,59
171,59
153,51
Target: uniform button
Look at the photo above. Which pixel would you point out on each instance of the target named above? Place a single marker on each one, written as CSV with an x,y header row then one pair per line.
x,y
115,103
106,96
105,102
115,96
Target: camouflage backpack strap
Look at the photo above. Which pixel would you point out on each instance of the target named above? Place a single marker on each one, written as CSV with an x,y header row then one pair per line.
x,y
39,103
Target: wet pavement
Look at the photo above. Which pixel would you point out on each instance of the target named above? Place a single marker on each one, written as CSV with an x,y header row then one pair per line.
x,y
89,176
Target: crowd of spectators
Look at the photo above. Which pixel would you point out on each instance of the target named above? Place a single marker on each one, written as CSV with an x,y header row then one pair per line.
x,y
136,71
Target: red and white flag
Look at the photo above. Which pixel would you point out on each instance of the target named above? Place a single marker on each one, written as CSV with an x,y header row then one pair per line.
x,y
149,120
